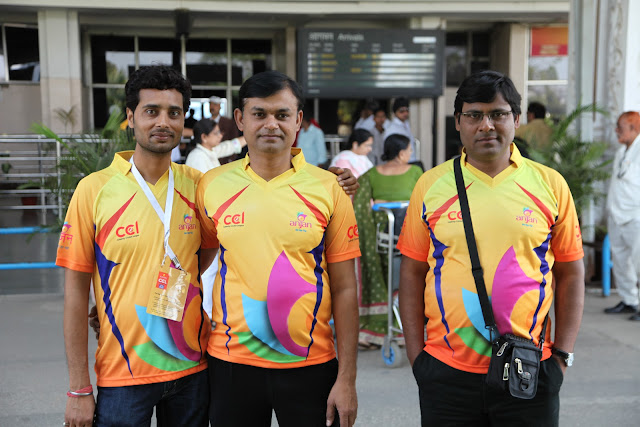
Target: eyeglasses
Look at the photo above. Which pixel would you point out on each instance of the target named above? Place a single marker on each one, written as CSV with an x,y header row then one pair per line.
x,y
495,117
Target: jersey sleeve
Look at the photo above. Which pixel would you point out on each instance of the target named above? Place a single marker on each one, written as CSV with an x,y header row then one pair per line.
x,y
566,238
208,231
76,245
414,240
342,231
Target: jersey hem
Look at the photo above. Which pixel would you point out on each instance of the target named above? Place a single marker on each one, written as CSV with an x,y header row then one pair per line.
x,y
73,266
153,379
344,257
270,365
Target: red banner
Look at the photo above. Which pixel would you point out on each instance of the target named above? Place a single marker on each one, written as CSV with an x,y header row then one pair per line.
x,y
549,41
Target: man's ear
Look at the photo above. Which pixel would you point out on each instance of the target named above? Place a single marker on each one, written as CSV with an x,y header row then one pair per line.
x,y
299,120
456,118
516,121
129,117
237,115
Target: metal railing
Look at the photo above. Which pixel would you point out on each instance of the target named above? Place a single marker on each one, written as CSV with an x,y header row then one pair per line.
x,y
26,162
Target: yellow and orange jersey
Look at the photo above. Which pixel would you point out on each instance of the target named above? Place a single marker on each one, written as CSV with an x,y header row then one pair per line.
x,y
112,232
524,220
271,297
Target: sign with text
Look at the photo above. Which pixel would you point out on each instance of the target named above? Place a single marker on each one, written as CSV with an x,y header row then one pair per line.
x,y
371,63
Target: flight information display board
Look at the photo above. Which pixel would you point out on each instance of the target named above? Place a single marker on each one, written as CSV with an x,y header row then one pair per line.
x,y
371,63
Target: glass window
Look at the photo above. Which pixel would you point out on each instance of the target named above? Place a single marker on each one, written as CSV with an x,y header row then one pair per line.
x,y
23,56
2,57
200,102
554,97
249,57
159,52
112,59
456,57
207,62
481,44
106,101
548,68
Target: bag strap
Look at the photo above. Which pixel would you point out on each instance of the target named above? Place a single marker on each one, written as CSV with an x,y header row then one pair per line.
x,y
476,268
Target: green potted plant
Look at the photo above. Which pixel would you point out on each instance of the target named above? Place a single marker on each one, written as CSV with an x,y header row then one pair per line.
x,y
580,162
83,155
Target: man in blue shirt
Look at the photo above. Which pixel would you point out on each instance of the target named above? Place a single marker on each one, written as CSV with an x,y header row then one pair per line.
x,y
311,141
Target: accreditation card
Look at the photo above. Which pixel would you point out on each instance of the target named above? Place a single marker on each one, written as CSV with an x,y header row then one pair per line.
x,y
169,293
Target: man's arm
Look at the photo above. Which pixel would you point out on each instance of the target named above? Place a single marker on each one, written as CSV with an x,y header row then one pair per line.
x,y
342,280
412,285
79,410
569,304
206,258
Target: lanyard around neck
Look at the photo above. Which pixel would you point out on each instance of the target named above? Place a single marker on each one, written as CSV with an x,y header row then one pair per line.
x,y
165,217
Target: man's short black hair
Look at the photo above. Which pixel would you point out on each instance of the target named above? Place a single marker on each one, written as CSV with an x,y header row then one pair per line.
x,y
484,87
159,77
399,103
267,83
537,109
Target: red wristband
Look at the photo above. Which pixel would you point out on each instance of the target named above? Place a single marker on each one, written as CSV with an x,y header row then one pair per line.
x,y
86,391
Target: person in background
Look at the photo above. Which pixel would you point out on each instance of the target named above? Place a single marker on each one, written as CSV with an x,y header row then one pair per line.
x,y
227,126
355,158
623,205
365,121
311,141
208,148
390,181
536,133
381,123
400,124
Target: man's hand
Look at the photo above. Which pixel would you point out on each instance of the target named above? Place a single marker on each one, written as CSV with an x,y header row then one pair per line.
x,y
342,398
79,411
94,322
347,181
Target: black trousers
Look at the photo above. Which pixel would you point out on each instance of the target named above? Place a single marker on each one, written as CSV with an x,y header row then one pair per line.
x,y
450,397
243,395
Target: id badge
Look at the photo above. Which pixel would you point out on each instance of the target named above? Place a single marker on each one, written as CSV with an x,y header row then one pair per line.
x,y
169,293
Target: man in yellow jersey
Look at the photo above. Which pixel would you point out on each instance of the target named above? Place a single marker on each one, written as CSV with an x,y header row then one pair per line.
x,y
527,234
287,238
133,230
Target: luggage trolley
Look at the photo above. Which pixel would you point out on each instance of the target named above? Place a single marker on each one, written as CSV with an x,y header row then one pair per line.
x,y
386,241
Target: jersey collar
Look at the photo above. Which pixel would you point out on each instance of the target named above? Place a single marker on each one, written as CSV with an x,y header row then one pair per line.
x,y
297,161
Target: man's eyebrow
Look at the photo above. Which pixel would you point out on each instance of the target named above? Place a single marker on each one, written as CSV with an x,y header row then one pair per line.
x,y
279,110
171,107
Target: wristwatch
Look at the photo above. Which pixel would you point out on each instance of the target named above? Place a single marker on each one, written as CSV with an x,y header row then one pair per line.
x,y
566,357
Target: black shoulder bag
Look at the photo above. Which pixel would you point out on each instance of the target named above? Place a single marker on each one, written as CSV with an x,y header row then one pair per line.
x,y
515,361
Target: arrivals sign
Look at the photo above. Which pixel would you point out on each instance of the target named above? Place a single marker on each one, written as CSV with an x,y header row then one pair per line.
x,y
371,63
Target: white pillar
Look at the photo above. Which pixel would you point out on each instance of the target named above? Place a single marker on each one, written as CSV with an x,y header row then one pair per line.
x,y
60,78
422,109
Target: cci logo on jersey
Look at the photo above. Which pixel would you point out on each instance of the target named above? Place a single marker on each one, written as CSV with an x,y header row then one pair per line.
x,y
187,225
352,232
526,218
300,222
129,230
234,220
454,215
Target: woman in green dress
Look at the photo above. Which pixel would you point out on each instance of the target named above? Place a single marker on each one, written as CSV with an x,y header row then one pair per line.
x,y
388,182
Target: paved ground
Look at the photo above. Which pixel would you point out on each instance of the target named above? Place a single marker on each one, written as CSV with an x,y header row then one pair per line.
x,y
602,389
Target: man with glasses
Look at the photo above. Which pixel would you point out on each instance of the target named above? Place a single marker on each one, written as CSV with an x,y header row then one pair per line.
x,y
400,124
527,233
623,205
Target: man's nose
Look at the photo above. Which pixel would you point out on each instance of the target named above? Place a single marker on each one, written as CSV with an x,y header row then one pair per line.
x,y
271,122
162,119
486,123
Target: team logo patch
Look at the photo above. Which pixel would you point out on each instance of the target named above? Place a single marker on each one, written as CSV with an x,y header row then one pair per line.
x,y
234,220
187,224
527,218
128,231
65,236
300,223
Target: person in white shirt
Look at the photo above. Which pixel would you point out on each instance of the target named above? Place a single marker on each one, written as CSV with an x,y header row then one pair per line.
x,y
400,124
360,143
380,124
366,115
623,205
207,137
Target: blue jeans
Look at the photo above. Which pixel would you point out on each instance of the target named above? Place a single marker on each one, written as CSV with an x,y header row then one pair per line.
x,y
182,402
